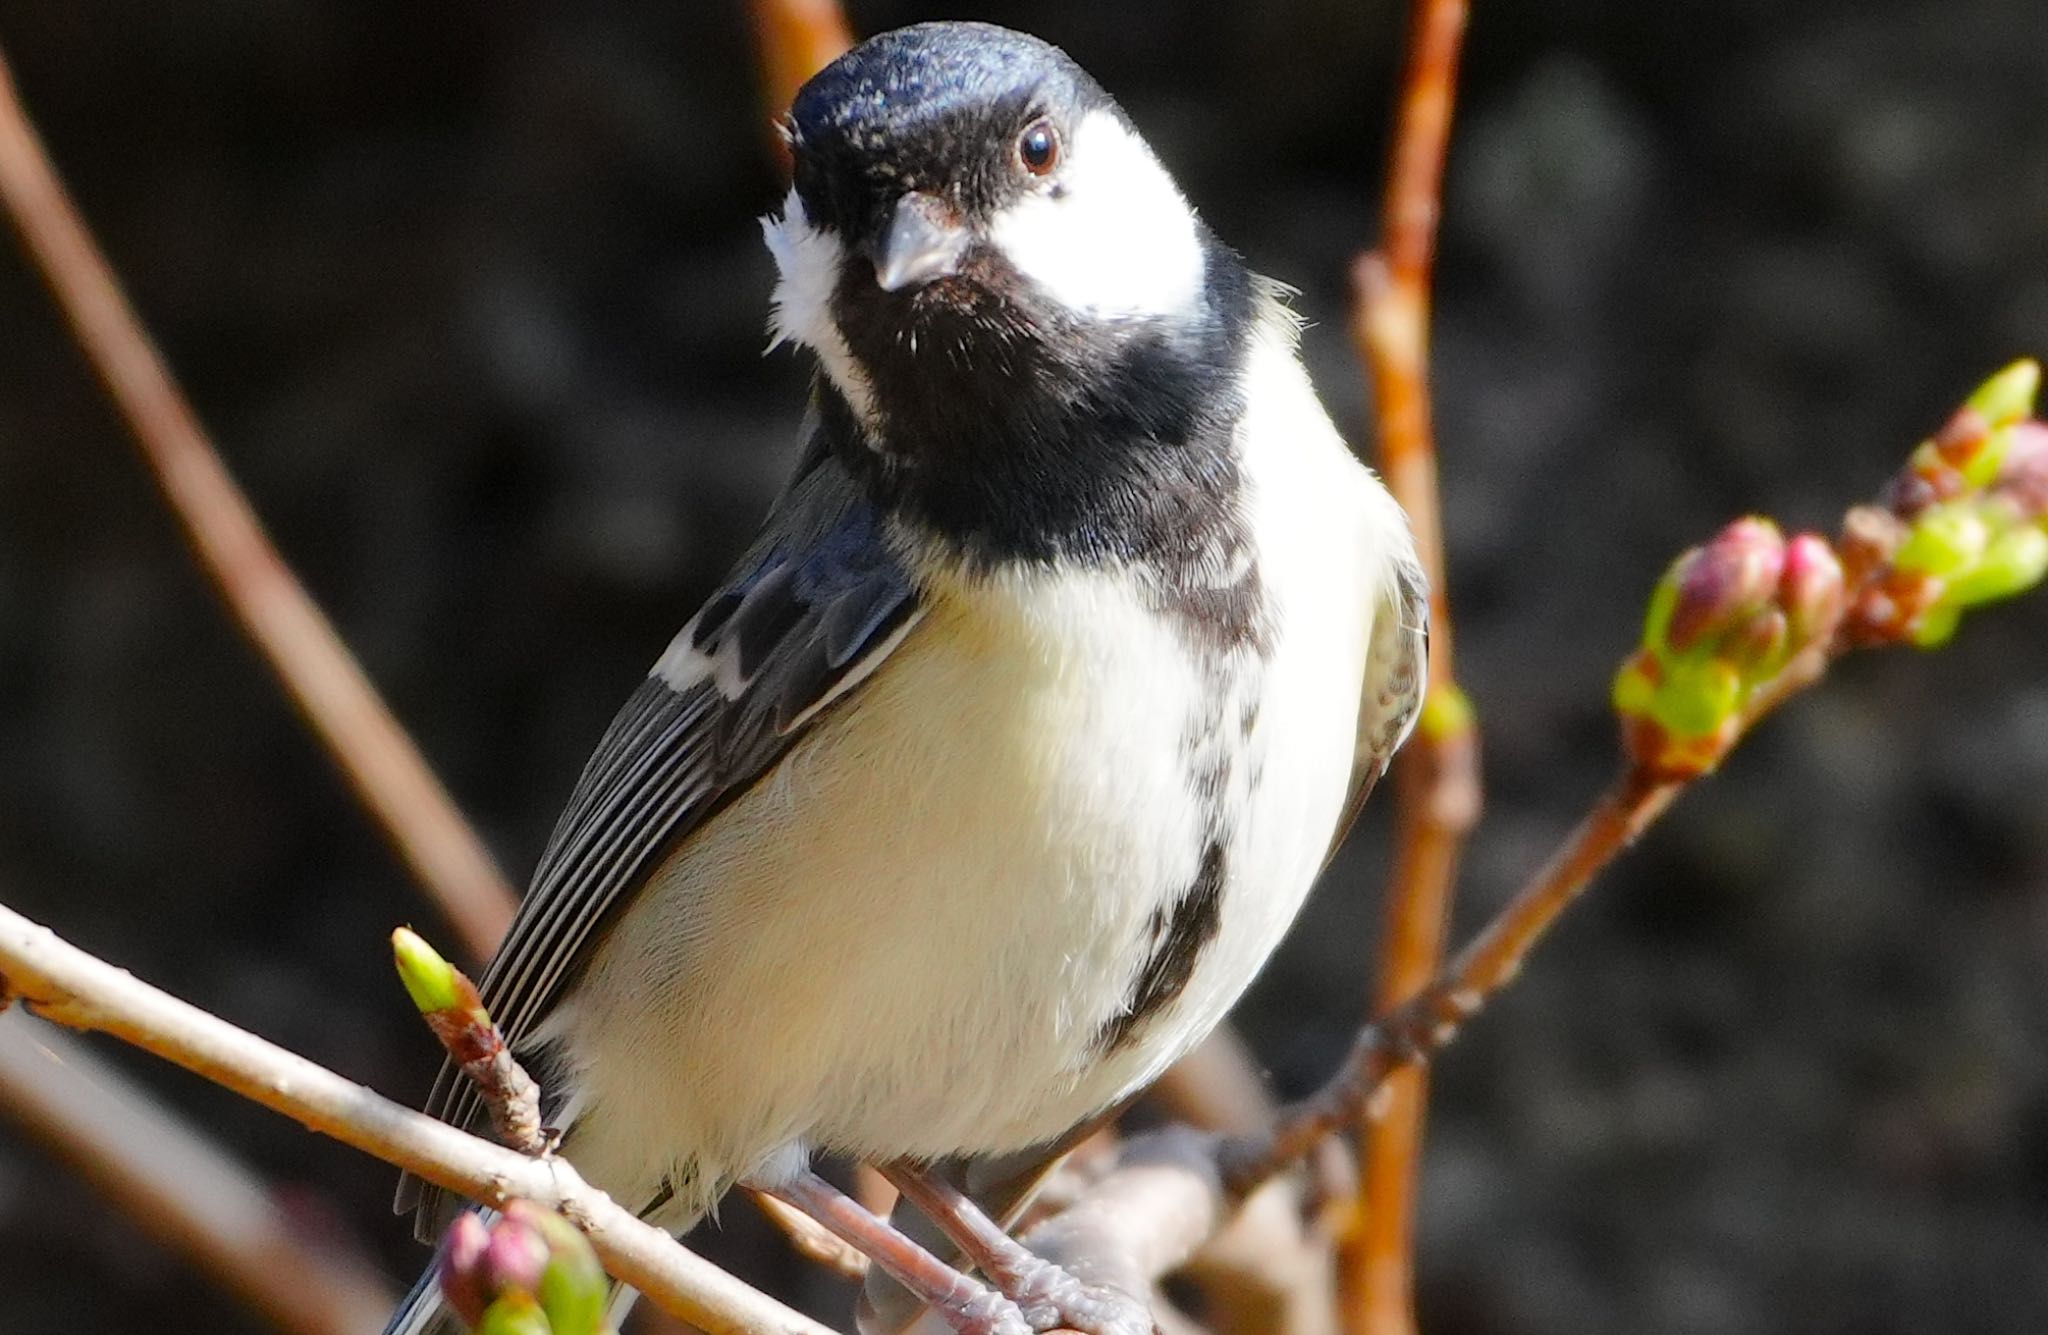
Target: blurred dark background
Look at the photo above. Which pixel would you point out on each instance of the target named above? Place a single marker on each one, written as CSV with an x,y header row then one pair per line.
x,y
473,297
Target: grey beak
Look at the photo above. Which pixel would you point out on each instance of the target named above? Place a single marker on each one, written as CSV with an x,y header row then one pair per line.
x,y
924,240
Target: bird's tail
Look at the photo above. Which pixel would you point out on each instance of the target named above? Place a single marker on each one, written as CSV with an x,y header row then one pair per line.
x,y
423,1312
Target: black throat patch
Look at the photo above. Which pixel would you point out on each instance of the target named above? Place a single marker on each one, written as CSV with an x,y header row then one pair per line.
x,y
1011,433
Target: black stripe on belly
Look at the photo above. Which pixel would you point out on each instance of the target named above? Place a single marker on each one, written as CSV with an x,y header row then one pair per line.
x,y
1178,940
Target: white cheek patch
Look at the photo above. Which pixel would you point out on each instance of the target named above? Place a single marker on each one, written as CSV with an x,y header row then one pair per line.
x,y
807,262
1115,239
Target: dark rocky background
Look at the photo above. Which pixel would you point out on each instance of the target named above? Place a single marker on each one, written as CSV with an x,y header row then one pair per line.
x,y
473,297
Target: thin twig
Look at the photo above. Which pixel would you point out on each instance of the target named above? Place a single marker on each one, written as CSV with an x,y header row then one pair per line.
x,y
1414,1030
180,1187
1437,794
71,987
295,638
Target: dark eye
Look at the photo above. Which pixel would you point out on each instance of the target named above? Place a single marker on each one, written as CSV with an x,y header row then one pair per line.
x,y
1038,148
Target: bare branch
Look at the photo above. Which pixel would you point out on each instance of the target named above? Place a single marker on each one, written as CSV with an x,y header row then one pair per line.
x,y
180,1187
65,984
1437,794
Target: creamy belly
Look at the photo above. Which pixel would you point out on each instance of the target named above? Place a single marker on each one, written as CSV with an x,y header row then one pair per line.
x,y
908,941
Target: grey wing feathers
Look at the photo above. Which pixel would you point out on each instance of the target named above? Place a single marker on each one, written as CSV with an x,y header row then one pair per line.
x,y
1396,679
810,611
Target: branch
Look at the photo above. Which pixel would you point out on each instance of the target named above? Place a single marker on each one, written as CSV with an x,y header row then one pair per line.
x,y
1437,793
296,639
65,984
797,38
177,1185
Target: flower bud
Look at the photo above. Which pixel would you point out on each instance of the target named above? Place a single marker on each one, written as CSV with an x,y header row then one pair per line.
x,y
1810,590
515,1257
2007,397
573,1289
1723,584
1944,540
528,1272
461,1267
2013,562
2023,477
515,1314
431,981
1757,647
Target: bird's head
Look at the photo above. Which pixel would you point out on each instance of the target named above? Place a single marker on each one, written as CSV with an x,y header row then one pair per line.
x,y
974,222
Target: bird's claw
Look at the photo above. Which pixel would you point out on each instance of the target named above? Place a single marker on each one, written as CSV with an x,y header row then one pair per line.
x,y
1051,1298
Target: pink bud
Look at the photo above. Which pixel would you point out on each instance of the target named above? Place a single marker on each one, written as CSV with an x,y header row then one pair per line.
x,y
1725,582
515,1258
462,1256
2024,477
1810,590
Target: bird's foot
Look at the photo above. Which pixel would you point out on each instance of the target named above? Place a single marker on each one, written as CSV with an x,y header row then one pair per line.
x,y
1049,1296
1053,1298
986,1313
963,1303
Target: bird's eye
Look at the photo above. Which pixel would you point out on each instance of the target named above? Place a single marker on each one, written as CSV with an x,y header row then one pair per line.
x,y
1038,148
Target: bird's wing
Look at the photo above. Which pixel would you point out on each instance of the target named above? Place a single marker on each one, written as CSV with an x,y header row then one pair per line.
x,y
1396,678
811,610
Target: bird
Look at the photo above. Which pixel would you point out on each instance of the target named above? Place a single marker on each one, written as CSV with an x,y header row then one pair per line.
x,y
1000,763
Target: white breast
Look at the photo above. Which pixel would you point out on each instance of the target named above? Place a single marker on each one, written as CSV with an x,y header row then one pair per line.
x,y
907,941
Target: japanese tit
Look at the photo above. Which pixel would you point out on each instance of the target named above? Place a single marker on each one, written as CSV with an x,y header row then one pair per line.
x,y
981,789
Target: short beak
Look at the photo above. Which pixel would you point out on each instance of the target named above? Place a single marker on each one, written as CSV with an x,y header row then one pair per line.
x,y
924,240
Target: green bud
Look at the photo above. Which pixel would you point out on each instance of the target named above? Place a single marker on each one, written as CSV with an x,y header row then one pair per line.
x,y
1663,601
431,981
1944,540
1936,626
1446,713
2008,397
2013,563
1981,468
1697,700
515,1314
573,1288
1635,688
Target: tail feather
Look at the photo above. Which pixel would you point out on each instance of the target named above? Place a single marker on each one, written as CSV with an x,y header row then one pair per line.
x,y
423,1312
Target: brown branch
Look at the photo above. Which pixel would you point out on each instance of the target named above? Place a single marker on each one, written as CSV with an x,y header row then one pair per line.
x,y
1437,793
797,38
65,984
178,1186
295,638
1428,1020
